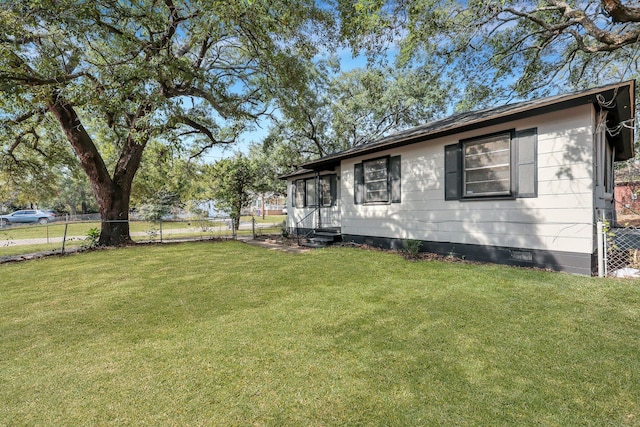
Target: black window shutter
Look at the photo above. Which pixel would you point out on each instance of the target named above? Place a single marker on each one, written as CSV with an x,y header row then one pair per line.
x,y
527,163
358,184
452,172
293,193
333,187
395,179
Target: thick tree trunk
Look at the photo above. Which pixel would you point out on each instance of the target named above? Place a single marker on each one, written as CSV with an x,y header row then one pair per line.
x,y
115,217
114,209
112,194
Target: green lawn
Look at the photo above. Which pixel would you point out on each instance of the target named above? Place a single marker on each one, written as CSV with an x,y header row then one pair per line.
x,y
230,334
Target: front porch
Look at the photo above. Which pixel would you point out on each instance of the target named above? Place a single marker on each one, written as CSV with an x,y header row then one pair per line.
x,y
319,228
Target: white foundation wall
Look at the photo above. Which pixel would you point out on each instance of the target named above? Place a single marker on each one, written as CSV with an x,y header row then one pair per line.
x,y
559,219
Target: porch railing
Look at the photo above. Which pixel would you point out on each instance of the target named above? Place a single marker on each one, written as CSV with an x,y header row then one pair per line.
x,y
307,225
330,217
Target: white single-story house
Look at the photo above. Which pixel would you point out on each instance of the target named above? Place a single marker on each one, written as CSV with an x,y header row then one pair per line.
x,y
521,184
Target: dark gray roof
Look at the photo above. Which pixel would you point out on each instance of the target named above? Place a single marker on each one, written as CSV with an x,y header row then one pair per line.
x,y
297,172
622,109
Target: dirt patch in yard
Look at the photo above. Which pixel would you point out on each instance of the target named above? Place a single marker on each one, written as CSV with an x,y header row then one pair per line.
x,y
277,244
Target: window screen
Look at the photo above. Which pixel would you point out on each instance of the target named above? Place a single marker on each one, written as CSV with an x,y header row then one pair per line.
x,y
487,166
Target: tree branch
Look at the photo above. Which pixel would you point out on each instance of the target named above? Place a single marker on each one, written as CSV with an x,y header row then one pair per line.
x,y
606,40
35,81
621,13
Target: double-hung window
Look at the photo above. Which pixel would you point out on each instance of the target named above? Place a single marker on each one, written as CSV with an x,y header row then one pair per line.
x,y
378,181
487,166
502,165
376,178
299,189
328,190
311,192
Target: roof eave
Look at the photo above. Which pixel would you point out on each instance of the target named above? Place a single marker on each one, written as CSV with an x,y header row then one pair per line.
x,y
297,172
623,113
624,109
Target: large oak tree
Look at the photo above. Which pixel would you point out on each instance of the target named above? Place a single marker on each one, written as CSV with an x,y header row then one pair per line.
x,y
109,75
542,46
500,49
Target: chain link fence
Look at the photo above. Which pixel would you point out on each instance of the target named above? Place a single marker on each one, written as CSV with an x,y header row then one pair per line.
x,y
67,235
621,251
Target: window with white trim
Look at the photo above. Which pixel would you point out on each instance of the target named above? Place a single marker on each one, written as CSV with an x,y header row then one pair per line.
x,y
375,180
300,193
487,166
502,165
310,192
328,190
378,181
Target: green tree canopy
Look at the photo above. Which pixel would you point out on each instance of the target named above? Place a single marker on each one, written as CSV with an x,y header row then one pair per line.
x,y
233,182
73,194
166,170
342,110
108,76
269,165
503,49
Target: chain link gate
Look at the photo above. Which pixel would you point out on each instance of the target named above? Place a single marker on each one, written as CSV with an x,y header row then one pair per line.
x,y
620,254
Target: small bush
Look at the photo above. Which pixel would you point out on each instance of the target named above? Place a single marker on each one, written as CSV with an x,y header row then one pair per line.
x,y
411,248
93,236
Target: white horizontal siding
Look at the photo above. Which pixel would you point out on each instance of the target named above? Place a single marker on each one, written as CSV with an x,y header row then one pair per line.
x,y
295,215
559,219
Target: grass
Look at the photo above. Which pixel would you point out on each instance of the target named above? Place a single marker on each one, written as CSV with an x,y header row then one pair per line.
x,y
230,334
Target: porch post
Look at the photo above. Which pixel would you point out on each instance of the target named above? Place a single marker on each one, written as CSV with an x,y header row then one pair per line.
x,y
318,199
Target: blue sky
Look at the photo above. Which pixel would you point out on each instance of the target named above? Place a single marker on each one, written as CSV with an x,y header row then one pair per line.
x,y
347,62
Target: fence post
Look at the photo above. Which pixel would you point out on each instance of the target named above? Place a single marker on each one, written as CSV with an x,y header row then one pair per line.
x,y
160,230
601,249
64,237
253,227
